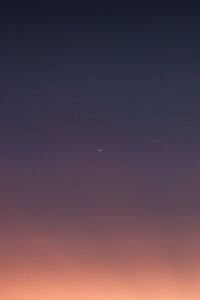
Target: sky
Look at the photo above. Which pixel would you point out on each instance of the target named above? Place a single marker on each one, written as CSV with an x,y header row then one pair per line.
x,y
99,152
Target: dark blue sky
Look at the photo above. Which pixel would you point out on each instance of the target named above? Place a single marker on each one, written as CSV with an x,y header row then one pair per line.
x,y
117,72
73,80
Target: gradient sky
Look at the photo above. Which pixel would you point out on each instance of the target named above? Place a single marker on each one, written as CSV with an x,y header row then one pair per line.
x,y
77,223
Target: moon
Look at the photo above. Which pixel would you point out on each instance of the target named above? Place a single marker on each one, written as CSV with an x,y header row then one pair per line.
x,y
100,149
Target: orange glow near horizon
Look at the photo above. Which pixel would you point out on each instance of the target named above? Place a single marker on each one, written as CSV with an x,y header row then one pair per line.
x,y
116,265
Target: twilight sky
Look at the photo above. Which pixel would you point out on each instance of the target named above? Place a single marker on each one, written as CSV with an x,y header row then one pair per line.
x,y
78,223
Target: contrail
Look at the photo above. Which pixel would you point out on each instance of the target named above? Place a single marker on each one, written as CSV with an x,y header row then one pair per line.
x,y
157,141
